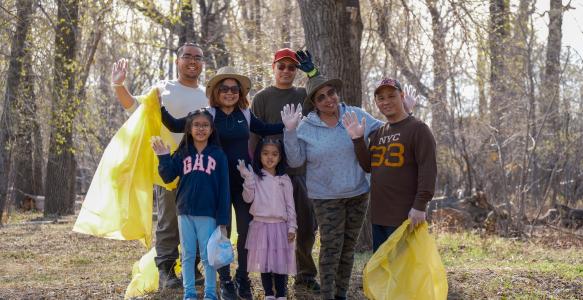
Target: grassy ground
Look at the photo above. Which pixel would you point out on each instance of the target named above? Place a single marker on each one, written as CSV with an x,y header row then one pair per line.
x,y
48,261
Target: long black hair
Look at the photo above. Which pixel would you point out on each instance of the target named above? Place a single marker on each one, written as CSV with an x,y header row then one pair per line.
x,y
187,139
281,167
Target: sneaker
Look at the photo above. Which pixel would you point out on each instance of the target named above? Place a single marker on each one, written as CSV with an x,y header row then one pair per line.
x,y
244,288
270,298
309,283
281,298
228,290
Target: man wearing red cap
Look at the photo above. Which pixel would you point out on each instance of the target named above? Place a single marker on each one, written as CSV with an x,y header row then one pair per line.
x,y
401,159
267,106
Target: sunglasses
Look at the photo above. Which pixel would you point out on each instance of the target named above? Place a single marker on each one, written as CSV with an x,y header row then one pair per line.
x,y
282,67
225,89
329,93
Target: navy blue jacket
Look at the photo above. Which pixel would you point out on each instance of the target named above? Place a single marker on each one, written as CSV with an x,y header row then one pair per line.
x,y
233,131
203,188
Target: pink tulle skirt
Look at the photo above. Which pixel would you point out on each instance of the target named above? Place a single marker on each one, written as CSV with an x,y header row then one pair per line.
x,y
269,250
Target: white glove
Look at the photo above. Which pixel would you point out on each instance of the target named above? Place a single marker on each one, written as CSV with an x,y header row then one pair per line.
x,y
354,129
417,217
246,172
291,116
411,98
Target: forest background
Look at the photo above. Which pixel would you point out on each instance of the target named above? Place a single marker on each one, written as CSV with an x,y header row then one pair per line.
x,y
501,82
501,85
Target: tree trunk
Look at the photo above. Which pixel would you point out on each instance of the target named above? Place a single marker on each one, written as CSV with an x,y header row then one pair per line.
x,y
333,31
60,179
481,78
213,33
285,27
440,121
186,33
27,178
13,79
551,80
498,37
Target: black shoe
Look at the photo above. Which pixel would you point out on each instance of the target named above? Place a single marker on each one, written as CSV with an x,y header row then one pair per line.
x,y
199,281
339,298
167,279
309,284
244,288
228,290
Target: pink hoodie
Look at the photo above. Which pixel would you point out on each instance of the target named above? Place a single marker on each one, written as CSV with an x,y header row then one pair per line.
x,y
271,199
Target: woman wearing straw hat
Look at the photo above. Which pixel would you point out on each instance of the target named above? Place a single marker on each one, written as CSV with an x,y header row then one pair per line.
x,y
336,183
227,93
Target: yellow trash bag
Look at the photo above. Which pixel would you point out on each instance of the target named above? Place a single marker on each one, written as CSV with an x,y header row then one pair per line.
x,y
406,266
118,204
145,275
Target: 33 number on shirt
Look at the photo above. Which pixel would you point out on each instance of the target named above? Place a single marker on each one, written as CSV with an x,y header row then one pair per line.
x,y
390,155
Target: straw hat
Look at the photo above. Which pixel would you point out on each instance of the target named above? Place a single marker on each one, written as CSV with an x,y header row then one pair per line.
x,y
228,72
314,84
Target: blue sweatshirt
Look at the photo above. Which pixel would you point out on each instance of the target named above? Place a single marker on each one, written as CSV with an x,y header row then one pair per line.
x,y
202,188
233,130
332,169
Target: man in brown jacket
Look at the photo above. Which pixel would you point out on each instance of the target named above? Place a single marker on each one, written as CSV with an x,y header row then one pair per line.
x,y
401,159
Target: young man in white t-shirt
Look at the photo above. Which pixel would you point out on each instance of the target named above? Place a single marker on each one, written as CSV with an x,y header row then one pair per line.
x,y
179,97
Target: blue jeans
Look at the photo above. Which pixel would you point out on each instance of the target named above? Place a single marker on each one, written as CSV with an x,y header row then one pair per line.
x,y
195,230
380,234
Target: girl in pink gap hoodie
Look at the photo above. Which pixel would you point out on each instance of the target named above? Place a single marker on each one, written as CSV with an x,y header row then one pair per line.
x,y
271,235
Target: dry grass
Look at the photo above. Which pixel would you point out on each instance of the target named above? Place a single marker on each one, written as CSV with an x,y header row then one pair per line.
x,y
50,262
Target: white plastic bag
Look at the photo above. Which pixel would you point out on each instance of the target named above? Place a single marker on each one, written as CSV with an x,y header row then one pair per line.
x,y
219,250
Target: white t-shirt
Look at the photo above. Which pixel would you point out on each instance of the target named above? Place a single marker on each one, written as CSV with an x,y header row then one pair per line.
x,y
179,100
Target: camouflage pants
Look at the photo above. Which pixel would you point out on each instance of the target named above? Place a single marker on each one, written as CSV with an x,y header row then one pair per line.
x,y
339,221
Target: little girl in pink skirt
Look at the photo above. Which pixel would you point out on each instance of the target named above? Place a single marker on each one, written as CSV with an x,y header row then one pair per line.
x,y
270,239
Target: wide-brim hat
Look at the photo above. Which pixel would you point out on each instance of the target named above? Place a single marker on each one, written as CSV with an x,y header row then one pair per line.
x,y
228,72
314,84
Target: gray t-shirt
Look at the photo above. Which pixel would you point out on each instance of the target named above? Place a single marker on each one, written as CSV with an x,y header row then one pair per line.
x,y
178,99
268,104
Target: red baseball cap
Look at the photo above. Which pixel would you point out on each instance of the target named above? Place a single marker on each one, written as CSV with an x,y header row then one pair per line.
x,y
285,53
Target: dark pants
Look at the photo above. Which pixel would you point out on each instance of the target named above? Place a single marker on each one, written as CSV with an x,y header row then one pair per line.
x,y
340,221
380,234
306,233
243,219
267,279
167,237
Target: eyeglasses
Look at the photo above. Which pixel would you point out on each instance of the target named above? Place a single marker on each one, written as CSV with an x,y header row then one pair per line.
x,y
290,68
225,89
197,58
201,126
329,93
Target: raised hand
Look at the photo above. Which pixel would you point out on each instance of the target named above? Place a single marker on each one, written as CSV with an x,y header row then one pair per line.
x,y
417,217
291,116
411,98
159,147
354,129
246,171
306,64
119,71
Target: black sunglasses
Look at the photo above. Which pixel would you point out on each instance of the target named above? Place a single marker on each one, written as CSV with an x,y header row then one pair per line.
x,y
225,89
